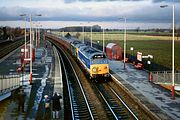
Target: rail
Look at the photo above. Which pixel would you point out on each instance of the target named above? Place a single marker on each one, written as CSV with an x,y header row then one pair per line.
x,y
118,108
7,48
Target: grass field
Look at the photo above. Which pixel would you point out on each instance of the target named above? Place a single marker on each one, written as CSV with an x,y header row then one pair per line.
x,y
158,46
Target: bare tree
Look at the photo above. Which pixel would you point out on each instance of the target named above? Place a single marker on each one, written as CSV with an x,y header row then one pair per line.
x,y
137,29
77,35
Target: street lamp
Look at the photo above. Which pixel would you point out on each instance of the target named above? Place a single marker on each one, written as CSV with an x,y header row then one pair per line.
x,y
124,41
103,40
30,80
24,15
149,63
63,33
150,57
132,49
91,36
98,42
173,84
82,31
38,25
35,33
39,36
30,16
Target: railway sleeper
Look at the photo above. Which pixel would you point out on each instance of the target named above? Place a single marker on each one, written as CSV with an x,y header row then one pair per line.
x,y
84,115
80,117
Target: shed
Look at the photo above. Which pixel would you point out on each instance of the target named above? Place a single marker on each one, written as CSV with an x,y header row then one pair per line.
x,y
113,51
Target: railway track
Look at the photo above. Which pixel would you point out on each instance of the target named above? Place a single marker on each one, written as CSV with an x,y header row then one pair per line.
x,y
7,47
79,105
105,104
116,107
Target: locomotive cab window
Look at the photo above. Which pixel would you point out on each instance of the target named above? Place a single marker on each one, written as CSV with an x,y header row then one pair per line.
x,y
99,59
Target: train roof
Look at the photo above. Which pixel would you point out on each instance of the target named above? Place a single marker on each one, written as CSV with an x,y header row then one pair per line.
x,y
76,42
89,52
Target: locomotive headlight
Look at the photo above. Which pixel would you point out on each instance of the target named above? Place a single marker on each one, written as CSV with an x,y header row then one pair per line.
x,y
94,69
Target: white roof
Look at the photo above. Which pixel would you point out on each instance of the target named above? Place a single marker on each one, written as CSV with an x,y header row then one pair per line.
x,y
110,45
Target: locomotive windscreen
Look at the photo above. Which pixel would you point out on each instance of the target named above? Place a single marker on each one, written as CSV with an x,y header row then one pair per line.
x,y
99,59
99,56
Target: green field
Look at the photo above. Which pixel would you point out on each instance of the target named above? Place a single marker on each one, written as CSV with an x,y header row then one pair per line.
x,y
158,46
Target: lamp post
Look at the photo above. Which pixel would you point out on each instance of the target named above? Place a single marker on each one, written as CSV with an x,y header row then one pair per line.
x,y
132,56
30,80
82,31
39,35
24,15
91,36
63,33
173,84
149,63
98,42
132,49
30,16
103,40
36,32
124,41
150,57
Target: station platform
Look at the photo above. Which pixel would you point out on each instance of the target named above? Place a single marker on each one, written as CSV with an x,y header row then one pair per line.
x,y
156,98
46,81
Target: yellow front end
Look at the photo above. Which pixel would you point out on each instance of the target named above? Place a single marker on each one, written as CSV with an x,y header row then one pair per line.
x,y
99,70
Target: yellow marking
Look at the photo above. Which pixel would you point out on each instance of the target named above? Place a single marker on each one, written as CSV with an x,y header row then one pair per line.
x,y
77,52
99,69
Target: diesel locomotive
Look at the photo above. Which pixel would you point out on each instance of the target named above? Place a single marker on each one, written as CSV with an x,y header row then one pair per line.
x,y
93,61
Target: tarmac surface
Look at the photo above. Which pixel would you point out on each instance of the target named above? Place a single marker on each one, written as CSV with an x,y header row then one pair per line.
x,y
151,95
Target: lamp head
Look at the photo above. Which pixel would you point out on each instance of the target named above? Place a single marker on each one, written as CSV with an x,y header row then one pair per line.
x,y
22,14
164,6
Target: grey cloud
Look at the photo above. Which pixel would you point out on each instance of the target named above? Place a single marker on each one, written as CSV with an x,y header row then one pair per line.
x,y
151,14
157,1
71,1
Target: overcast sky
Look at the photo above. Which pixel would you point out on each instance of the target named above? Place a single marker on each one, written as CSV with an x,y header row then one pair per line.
x,y
143,11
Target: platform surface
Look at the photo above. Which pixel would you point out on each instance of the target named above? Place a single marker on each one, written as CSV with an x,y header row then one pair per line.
x,y
149,93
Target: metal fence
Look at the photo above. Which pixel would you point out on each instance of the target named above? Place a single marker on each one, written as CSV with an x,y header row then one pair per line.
x,y
9,82
165,77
